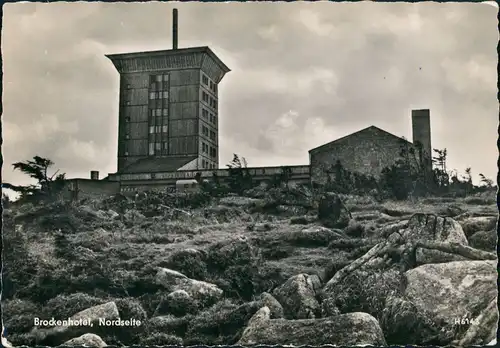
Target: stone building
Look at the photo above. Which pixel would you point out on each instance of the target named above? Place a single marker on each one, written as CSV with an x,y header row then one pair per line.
x,y
168,108
370,150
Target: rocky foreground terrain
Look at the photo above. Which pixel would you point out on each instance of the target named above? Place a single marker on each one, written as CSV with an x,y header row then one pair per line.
x,y
277,267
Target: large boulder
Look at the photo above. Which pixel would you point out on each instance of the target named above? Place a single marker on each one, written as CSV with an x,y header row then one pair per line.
x,y
239,201
88,340
432,228
454,291
479,223
169,324
346,329
332,212
204,293
314,236
178,303
267,300
484,240
298,297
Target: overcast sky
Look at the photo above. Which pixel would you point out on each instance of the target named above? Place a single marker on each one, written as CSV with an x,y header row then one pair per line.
x,y
303,74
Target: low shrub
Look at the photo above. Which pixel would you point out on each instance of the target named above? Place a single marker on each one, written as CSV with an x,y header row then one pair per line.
x,y
299,220
130,308
18,315
169,324
313,237
149,302
364,244
178,304
161,339
220,324
480,200
473,225
64,306
189,262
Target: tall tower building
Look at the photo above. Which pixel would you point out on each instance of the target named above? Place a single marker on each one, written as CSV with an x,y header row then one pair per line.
x,y
168,108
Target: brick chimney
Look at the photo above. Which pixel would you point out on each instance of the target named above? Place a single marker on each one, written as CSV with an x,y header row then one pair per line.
x,y
174,29
421,126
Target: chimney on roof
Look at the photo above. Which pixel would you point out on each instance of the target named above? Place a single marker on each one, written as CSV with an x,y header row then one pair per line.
x,y
174,29
94,175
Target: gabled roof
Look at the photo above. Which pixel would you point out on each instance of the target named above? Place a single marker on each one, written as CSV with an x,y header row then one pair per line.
x,y
157,164
371,128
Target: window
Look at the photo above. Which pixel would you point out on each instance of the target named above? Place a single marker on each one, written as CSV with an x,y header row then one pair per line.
x,y
126,153
165,94
158,146
213,152
204,130
204,113
165,77
204,147
211,85
204,79
152,95
151,129
158,78
204,97
213,103
151,149
165,112
212,135
165,145
213,119
164,129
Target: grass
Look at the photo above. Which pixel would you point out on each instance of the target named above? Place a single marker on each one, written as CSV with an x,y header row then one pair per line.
x,y
93,260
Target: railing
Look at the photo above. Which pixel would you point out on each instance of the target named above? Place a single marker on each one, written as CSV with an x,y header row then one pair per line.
x,y
179,175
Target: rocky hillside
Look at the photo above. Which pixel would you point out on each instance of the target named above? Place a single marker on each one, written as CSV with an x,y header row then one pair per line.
x,y
276,267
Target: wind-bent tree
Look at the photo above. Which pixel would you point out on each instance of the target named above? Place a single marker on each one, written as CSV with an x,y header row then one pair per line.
x,y
38,169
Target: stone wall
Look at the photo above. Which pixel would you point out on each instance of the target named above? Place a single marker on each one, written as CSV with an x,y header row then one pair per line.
x,y
367,152
86,188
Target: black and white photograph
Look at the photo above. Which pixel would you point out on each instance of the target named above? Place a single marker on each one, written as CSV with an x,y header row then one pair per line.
x,y
249,173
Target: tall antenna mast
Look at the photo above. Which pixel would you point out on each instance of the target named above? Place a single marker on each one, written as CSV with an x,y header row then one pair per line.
x,y
174,29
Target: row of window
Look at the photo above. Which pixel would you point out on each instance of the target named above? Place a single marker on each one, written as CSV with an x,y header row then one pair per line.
x,y
207,132
208,149
159,112
158,129
209,83
159,78
156,80
206,115
209,100
157,147
207,165
158,95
